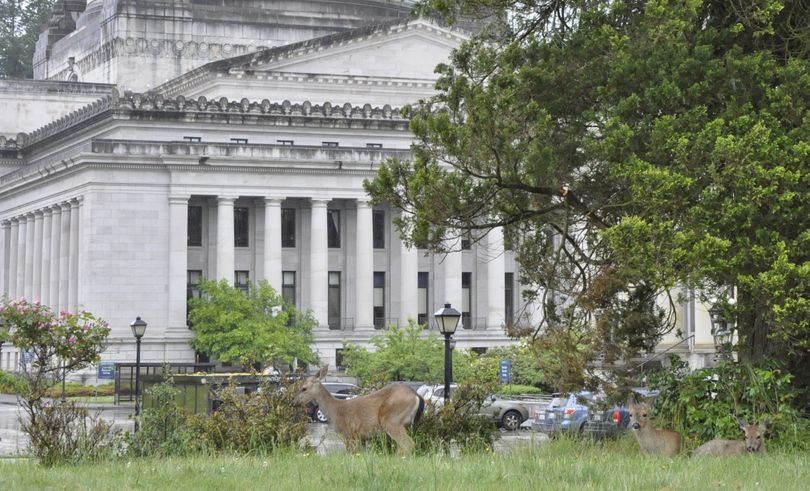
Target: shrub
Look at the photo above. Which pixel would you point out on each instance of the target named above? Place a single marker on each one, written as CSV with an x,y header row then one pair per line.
x,y
517,389
259,422
703,404
11,384
458,423
163,426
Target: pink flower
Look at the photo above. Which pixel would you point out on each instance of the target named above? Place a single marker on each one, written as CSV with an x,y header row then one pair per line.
x,y
72,340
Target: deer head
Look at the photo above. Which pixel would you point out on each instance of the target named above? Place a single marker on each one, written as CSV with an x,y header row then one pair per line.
x,y
311,387
639,413
754,434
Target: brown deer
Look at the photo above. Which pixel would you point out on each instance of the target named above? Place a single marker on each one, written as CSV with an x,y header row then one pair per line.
x,y
387,410
652,440
754,441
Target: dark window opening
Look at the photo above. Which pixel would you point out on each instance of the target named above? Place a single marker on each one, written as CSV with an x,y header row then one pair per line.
x,y
466,241
288,291
333,228
287,227
334,310
509,299
241,227
379,299
330,144
195,223
479,351
378,226
374,145
466,300
239,140
286,143
242,280
422,294
339,359
193,278
193,139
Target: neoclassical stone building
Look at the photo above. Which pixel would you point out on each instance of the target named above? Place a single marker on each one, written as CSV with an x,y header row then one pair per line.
x,y
167,141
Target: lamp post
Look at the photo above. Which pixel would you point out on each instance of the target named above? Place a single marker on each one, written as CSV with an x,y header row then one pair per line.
x,y
722,332
138,327
447,319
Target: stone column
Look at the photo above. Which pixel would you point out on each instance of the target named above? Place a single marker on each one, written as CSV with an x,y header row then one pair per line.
x,y
178,260
225,247
56,241
13,257
64,258
36,278
451,266
5,237
319,264
272,242
496,270
364,273
408,276
45,270
73,258
20,279
28,287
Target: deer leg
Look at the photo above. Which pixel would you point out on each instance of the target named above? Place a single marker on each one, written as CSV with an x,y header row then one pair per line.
x,y
400,435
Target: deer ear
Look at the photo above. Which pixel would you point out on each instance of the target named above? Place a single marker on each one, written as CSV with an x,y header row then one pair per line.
x,y
765,423
323,371
631,400
742,422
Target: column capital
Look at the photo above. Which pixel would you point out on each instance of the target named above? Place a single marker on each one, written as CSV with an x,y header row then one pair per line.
x,y
47,211
56,209
222,198
38,214
319,202
362,202
65,205
273,200
30,215
76,202
4,224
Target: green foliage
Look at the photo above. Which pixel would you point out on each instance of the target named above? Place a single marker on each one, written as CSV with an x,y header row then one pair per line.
x,y
261,422
525,368
11,384
456,424
517,389
163,426
704,404
20,24
59,345
239,327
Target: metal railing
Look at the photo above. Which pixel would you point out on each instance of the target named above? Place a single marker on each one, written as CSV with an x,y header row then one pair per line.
x,y
384,322
341,323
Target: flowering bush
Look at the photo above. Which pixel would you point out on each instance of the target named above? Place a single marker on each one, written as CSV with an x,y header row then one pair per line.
x,y
58,345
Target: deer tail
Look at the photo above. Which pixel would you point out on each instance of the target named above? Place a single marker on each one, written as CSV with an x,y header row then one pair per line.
x,y
419,410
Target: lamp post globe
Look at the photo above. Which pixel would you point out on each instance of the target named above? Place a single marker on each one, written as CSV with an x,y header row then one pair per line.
x,y
138,327
447,320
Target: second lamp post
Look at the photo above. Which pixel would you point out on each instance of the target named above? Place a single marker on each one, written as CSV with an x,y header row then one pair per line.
x,y
447,319
138,330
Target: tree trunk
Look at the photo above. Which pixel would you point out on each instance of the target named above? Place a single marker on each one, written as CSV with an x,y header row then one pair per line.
x,y
752,327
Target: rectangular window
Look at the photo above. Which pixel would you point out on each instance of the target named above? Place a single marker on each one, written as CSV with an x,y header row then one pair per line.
x,y
333,228
195,222
288,227
339,359
240,140
334,300
379,299
193,278
241,226
193,139
330,144
374,145
286,143
466,300
509,300
422,297
378,226
466,241
242,280
288,291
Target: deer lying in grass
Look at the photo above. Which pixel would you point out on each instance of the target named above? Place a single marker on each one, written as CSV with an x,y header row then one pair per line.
x,y
754,442
387,410
652,440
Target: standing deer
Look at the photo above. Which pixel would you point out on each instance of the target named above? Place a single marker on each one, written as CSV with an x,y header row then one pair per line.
x,y
387,410
652,440
754,441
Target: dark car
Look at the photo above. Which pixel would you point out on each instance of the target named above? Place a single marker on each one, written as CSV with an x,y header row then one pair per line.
x,y
611,422
340,390
566,413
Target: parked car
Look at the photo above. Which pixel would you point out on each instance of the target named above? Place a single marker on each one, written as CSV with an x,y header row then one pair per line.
x,y
505,413
340,390
566,413
613,421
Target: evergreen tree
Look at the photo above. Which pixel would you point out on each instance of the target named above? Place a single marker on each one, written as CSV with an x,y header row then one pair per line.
x,y
21,22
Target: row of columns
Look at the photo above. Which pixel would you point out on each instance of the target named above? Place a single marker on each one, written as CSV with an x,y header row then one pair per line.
x,y
39,255
319,262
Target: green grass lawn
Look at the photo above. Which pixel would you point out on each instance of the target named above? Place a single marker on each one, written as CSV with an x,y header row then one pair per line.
x,y
556,465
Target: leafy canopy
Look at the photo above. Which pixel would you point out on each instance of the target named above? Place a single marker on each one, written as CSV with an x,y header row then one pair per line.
x,y
240,327
20,25
628,149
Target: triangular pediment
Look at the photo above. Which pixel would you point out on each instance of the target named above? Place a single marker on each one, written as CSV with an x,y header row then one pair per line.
x,y
406,50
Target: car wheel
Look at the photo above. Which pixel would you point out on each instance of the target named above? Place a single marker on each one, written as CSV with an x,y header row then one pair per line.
x,y
320,417
511,420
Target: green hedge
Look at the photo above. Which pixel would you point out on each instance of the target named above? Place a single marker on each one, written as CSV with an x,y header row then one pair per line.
x,y
518,389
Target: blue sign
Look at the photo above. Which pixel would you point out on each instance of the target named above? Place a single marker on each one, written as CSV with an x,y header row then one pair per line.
x,y
106,370
505,372
27,357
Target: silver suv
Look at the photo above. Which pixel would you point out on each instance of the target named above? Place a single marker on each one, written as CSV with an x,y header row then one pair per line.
x,y
506,413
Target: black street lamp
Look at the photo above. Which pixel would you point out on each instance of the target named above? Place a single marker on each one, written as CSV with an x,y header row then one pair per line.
x,y
138,330
447,319
722,332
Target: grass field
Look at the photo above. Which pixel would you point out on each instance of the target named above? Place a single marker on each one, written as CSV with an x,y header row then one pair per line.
x,y
563,464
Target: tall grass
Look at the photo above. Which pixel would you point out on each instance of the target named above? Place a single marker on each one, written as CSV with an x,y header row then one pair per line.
x,y
561,464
